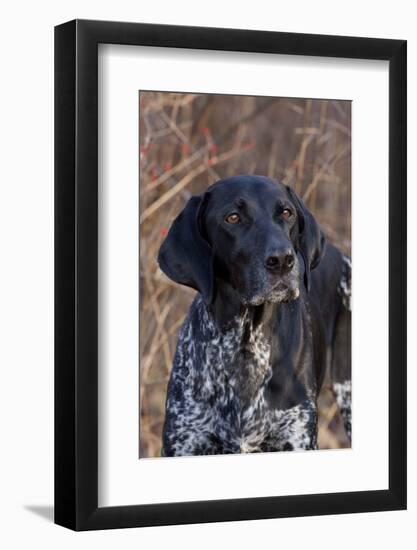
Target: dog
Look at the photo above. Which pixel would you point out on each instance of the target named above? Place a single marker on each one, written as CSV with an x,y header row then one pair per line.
x,y
271,319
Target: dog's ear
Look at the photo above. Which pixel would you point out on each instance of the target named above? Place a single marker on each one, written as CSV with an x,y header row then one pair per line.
x,y
311,241
185,255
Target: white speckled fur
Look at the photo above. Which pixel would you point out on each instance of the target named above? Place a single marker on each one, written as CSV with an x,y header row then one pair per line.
x,y
343,393
345,283
216,404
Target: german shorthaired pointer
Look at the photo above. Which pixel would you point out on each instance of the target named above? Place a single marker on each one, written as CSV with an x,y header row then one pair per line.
x,y
271,319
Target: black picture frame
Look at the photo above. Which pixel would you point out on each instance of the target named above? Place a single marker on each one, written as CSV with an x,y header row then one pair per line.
x,y
76,272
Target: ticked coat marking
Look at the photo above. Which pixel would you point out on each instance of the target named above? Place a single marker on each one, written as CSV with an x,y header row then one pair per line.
x,y
216,401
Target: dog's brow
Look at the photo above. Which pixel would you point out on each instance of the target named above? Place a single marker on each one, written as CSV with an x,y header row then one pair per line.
x,y
240,202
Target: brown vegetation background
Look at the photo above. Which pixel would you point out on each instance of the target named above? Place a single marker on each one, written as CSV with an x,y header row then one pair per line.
x,y
187,142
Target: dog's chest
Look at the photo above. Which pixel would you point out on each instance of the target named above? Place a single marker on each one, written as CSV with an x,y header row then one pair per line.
x,y
231,365
227,407
217,399
227,376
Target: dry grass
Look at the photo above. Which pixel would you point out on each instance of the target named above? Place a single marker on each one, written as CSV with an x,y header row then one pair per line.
x,y
188,141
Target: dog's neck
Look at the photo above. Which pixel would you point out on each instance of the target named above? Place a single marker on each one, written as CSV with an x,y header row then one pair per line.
x,y
254,340
227,310
237,342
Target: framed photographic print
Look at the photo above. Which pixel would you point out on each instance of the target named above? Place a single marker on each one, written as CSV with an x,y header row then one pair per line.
x,y
230,275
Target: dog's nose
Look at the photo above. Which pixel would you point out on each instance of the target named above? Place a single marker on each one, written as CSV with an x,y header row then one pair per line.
x,y
280,261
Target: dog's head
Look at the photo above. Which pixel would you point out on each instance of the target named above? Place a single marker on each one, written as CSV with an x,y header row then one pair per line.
x,y
249,232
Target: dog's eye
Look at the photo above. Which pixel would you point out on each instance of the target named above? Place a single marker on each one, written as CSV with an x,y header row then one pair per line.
x,y
232,218
286,214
